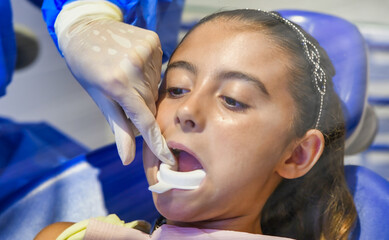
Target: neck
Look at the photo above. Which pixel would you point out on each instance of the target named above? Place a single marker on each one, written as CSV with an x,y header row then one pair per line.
x,y
246,223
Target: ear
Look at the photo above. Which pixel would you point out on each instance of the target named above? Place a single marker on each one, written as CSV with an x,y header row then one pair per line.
x,y
304,155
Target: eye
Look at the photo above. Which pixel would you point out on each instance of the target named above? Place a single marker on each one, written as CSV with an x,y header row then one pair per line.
x,y
176,92
234,104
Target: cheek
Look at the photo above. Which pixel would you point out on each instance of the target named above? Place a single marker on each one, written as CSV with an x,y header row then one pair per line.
x,y
165,114
150,164
253,141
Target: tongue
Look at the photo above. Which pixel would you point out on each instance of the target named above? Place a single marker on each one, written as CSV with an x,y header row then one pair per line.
x,y
187,162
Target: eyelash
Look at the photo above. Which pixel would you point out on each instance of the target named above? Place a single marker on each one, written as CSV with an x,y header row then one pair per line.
x,y
229,102
176,95
234,105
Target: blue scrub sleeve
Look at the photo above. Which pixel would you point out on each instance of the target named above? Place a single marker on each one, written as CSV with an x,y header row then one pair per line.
x,y
7,46
162,16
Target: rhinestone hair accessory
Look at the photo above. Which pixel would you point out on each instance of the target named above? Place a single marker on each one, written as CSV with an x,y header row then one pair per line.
x,y
313,56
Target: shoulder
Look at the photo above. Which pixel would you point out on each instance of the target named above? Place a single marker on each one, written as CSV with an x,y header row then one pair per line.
x,y
52,231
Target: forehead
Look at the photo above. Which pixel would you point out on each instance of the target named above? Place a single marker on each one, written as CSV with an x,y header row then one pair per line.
x,y
226,45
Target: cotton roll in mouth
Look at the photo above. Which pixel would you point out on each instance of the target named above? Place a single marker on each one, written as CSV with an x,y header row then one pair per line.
x,y
169,179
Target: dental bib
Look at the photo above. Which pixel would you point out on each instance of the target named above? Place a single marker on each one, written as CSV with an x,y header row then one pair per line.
x,y
169,179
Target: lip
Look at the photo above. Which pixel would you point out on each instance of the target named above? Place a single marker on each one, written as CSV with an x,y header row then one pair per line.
x,y
182,147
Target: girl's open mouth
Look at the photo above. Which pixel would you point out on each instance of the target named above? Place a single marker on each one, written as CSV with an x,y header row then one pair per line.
x,y
186,161
189,174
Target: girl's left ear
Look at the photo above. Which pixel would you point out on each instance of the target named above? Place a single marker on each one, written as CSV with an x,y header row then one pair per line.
x,y
304,155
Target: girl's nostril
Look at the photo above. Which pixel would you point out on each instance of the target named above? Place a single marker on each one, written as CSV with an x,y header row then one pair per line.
x,y
190,123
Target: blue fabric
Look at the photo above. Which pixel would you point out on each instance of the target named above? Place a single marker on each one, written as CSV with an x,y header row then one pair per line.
x,y
162,16
30,150
71,192
7,46
90,185
120,182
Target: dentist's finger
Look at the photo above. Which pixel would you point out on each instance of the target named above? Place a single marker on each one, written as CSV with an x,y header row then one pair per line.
x,y
120,125
144,121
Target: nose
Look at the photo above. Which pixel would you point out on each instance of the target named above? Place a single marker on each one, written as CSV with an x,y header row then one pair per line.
x,y
190,115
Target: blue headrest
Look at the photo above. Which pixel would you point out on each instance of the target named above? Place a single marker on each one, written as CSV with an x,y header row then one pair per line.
x,y
347,50
371,197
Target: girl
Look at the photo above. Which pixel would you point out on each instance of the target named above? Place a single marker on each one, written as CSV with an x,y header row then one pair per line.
x,y
248,99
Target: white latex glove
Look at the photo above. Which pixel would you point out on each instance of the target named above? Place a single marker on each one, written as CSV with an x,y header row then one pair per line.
x,y
119,65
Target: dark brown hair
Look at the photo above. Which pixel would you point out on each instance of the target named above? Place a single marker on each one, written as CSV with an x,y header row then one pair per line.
x,y
317,205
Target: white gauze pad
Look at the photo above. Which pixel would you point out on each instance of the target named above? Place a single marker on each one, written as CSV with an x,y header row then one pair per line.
x,y
169,179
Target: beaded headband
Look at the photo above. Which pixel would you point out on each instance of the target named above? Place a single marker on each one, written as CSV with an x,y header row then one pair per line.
x,y
313,56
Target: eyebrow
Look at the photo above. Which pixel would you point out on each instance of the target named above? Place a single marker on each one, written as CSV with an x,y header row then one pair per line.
x,y
245,77
225,75
183,65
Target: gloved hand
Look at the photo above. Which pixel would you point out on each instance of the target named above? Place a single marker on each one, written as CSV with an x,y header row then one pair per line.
x,y
77,231
119,65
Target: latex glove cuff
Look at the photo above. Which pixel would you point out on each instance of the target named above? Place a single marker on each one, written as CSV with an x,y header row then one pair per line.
x,y
77,231
73,12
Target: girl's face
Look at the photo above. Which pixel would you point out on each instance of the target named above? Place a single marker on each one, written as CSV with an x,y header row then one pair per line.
x,y
226,105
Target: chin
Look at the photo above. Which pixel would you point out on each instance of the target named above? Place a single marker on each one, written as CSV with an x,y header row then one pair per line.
x,y
175,207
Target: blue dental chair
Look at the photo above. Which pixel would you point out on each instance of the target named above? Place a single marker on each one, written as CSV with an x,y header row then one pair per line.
x,y
97,184
347,50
